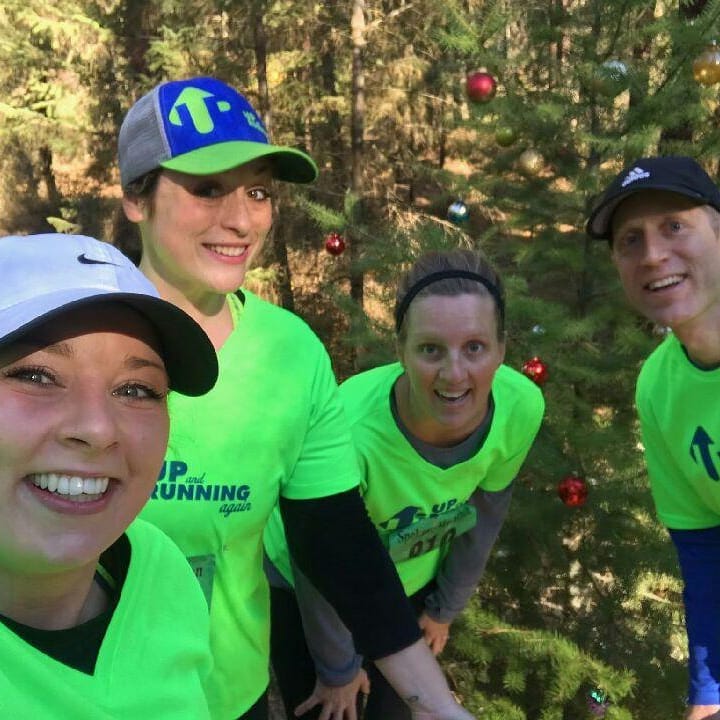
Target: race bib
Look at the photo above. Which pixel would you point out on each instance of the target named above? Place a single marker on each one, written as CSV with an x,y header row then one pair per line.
x,y
431,533
204,568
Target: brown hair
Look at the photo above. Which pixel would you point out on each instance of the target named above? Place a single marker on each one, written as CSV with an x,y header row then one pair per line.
x,y
125,234
473,262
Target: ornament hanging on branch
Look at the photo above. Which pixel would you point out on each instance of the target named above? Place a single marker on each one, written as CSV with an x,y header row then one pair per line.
x,y
611,78
480,87
334,243
598,703
536,370
573,490
505,136
531,162
706,66
458,212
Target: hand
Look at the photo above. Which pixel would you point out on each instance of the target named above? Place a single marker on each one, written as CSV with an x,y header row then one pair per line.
x,y
338,703
703,712
436,633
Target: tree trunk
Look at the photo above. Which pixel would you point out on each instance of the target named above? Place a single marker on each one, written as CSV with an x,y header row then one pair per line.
x,y
688,12
278,246
48,175
357,129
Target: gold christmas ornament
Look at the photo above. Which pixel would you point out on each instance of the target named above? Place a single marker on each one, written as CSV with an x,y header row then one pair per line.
x,y
531,162
706,66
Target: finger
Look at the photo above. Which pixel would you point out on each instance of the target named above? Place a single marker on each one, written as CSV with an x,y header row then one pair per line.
x,y
365,685
326,713
308,704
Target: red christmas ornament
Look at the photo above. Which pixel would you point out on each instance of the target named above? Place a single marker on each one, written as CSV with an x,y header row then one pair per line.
x,y
335,244
480,87
573,491
536,370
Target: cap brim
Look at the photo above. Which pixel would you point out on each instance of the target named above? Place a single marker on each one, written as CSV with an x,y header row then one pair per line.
x,y
288,164
599,223
190,359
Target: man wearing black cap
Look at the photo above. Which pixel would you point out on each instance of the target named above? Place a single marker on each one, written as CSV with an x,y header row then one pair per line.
x,y
661,216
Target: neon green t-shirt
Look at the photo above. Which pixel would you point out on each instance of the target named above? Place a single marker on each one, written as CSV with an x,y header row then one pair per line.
x,y
153,661
272,425
414,504
680,423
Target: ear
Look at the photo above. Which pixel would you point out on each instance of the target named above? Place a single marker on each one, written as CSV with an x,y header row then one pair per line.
x,y
134,208
399,351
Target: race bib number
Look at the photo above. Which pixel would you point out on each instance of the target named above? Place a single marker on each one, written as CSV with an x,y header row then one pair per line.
x,y
431,533
204,568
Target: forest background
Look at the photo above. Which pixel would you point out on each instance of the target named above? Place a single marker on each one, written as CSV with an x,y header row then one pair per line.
x,y
580,612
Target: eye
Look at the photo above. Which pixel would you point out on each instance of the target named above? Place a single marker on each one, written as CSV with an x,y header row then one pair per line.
x,y
675,226
32,375
474,347
428,350
259,193
627,241
208,189
138,391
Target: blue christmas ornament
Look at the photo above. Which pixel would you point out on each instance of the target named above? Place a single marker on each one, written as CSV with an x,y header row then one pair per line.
x,y
458,212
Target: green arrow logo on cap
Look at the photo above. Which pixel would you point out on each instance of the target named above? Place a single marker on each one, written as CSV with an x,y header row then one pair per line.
x,y
194,99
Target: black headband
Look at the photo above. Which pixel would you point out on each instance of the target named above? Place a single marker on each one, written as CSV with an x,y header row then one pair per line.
x,y
446,275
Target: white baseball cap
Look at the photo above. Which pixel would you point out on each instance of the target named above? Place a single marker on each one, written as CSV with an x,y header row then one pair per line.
x,y
42,276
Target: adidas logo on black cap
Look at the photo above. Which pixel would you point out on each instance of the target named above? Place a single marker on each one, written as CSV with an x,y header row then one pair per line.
x,y
637,173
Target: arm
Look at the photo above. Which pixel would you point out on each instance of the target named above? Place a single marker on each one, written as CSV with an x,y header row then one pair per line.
x,y
337,665
333,542
464,565
699,555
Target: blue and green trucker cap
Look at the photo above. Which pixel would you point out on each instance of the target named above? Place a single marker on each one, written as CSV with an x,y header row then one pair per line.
x,y
201,126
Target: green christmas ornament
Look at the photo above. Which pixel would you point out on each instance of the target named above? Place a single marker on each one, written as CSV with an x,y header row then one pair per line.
x,y
611,78
505,136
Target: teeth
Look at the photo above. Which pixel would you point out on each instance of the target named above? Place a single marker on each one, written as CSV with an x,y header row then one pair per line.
x,y
229,251
70,484
665,282
452,396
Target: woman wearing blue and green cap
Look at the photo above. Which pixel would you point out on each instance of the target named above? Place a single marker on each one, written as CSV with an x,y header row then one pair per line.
x,y
197,170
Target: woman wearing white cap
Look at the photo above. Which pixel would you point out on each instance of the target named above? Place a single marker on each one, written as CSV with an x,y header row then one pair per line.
x,y
197,169
98,620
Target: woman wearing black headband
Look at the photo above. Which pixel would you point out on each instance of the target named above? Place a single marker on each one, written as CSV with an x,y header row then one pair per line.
x,y
440,435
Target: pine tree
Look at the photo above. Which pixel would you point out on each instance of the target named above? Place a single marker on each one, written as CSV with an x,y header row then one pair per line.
x,y
576,600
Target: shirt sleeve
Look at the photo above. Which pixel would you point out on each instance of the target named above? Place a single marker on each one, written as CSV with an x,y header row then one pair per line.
x,y
330,643
465,563
699,555
333,541
327,463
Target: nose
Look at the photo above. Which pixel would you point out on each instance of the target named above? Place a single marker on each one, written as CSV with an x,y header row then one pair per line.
x,y
236,212
655,248
453,368
89,421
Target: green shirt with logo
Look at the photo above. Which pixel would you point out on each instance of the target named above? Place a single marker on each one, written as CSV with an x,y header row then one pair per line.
x,y
418,507
154,659
680,423
272,425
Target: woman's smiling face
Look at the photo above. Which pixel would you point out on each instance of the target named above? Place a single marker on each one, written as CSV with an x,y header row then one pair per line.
x,y
450,351
83,432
